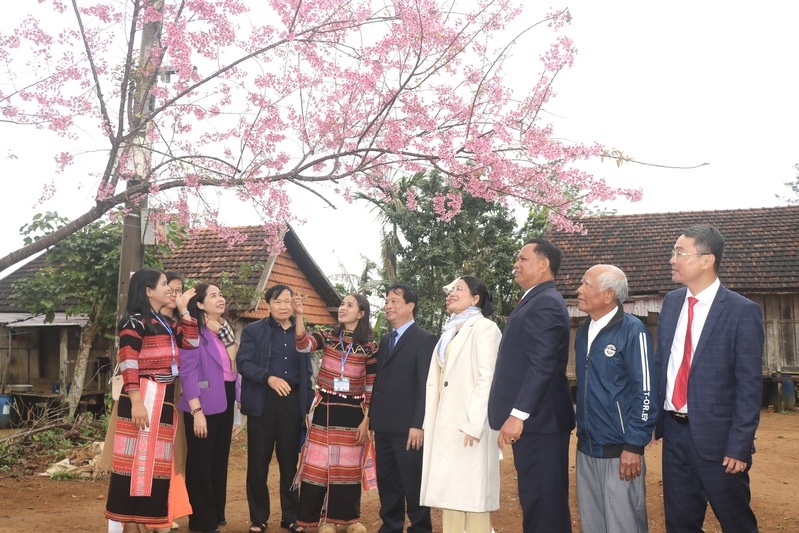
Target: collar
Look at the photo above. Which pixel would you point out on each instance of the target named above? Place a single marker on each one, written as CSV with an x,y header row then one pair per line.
x,y
275,325
707,295
403,328
605,320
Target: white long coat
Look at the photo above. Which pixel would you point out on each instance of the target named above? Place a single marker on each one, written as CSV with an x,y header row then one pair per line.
x,y
453,476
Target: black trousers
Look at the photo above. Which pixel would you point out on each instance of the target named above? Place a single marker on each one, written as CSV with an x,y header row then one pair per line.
x,y
276,430
207,465
399,481
542,466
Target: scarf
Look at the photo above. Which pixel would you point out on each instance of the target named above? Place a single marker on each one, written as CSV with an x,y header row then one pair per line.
x,y
452,327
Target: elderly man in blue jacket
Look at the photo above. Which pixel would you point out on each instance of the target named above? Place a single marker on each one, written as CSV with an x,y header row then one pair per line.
x,y
616,407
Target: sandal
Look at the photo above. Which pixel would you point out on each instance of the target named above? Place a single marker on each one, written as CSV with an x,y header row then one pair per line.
x,y
257,528
292,527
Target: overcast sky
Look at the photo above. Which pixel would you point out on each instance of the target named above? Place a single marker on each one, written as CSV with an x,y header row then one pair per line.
x,y
676,84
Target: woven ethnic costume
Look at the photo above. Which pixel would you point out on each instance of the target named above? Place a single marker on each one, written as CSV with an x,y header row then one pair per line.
x,y
331,464
142,459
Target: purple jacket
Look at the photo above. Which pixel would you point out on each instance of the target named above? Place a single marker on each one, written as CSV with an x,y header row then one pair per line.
x,y
202,375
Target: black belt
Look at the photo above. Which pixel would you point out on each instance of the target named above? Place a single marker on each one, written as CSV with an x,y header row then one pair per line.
x,y
680,418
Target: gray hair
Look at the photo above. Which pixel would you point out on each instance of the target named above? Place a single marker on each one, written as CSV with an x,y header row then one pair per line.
x,y
613,278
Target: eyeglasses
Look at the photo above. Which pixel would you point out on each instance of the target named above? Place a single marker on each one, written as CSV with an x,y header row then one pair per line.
x,y
678,254
457,288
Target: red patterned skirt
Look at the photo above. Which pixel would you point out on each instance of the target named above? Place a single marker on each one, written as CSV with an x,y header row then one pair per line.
x,y
331,465
142,462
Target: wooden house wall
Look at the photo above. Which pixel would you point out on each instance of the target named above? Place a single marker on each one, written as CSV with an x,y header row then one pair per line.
x,y
36,353
19,349
781,321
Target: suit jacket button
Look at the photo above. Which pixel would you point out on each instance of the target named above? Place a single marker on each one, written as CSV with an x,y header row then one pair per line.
x,y
446,383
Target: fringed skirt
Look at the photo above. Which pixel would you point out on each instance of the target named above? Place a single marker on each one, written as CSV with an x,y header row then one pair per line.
x,y
330,470
142,460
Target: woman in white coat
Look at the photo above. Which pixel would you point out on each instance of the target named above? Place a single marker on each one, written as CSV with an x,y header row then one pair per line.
x,y
460,470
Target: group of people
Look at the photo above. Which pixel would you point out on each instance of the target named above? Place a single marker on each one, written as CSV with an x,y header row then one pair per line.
x,y
426,417
167,333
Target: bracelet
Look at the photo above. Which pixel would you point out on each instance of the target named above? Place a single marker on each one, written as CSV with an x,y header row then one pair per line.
x,y
195,411
184,313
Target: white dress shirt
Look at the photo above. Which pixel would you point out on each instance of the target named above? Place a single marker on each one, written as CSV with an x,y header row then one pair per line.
x,y
701,310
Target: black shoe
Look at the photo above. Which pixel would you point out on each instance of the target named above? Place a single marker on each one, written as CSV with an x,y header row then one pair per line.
x,y
292,527
222,522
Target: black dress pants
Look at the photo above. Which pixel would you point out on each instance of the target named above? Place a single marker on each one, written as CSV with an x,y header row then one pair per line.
x,y
207,465
399,482
276,430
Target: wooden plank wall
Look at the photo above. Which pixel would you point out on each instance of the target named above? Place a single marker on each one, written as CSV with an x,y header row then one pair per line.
x,y
781,319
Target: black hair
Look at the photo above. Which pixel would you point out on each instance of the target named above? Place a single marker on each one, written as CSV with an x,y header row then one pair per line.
x,y
408,293
276,290
363,332
138,302
708,240
201,291
548,250
172,276
478,288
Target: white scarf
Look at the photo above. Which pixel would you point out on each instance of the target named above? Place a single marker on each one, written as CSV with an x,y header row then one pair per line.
x,y
452,327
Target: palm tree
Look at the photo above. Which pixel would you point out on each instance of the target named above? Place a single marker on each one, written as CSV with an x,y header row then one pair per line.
x,y
391,209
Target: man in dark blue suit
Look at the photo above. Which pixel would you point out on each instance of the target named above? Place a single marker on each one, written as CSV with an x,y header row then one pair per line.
x,y
276,393
530,402
709,350
396,413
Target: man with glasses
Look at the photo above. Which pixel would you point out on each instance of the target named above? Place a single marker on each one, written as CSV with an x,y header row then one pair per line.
x,y
709,352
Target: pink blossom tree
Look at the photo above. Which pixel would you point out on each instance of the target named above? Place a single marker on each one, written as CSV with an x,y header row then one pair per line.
x,y
259,97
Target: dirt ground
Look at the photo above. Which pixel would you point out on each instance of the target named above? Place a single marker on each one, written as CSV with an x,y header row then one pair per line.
x,y
34,503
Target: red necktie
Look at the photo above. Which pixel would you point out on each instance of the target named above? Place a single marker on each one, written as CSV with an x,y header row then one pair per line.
x,y
680,394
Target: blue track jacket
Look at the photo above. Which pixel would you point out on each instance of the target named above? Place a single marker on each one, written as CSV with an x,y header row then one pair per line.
x,y
616,404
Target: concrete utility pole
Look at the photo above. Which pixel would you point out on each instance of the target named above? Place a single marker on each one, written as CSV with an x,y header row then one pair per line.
x,y
137,155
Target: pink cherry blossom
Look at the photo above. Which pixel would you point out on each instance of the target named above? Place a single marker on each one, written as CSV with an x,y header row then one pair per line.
x,y
262,97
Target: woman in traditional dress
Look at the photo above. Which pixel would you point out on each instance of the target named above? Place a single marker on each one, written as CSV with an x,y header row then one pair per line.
x,y
149,360
208,378
460,465
331,465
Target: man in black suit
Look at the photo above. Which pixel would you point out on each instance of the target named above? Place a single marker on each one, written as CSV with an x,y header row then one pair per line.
x,y
397,412
530,402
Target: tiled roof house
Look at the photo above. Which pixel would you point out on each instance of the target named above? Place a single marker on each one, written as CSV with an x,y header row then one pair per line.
x,y
761,261
207,257
38,351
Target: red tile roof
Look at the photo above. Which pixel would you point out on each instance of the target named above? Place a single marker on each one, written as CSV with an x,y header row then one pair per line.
x,y
761,250
206,257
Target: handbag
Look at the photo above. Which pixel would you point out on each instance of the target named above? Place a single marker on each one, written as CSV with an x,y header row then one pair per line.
x,y
116,383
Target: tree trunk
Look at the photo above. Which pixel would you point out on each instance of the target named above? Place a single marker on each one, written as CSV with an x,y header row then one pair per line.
x,y
87,336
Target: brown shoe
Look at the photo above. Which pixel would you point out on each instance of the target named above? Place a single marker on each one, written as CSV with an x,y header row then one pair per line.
x,y
356,528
